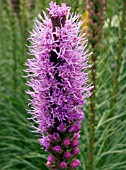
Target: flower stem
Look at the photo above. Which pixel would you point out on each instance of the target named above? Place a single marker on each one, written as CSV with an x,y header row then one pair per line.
x,y
92,116
119,59
96,11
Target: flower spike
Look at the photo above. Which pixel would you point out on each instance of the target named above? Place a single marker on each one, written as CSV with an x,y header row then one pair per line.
x,y
58,79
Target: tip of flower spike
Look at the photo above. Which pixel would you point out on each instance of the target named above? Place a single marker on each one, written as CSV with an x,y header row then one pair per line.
x,y
58,11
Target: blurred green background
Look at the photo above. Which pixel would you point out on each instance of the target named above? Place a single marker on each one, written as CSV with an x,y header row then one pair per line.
x,y
19,148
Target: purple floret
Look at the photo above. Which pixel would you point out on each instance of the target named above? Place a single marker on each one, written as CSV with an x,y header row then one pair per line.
x,y
63,165
51,158
66,142
57,149
61,127
67,155
75,143
75,163
76,151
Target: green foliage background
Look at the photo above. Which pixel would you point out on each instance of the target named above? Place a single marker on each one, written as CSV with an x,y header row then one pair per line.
x,y
19,148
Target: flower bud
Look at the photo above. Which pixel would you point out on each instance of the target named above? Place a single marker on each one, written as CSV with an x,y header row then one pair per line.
x,y
48,164
66,142
75,163
63,165
67,155
76,151
51,158
57,149
75,143
61,127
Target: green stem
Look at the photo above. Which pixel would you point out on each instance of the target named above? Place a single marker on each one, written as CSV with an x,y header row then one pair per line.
x,y
92,116
119,59
96,11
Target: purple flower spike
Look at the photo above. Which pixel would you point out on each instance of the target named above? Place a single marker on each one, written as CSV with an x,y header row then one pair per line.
x,y
59,82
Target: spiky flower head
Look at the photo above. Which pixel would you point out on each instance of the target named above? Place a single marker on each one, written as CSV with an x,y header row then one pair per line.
x,y
59,83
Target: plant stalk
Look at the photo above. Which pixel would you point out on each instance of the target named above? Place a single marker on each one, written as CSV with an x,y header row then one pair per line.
x,y
92,116
119,59
96,11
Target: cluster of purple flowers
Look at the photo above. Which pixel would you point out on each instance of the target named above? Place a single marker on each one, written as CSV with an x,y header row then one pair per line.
x,y
59,84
